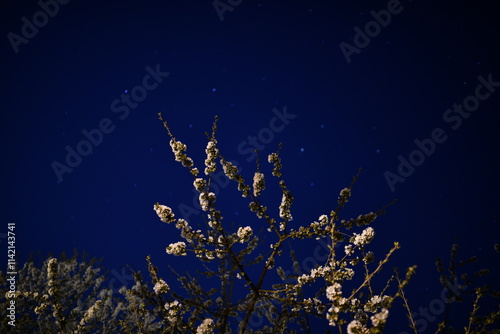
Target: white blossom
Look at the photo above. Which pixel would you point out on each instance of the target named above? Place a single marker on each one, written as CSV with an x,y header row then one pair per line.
x,y
323,219
258,183
356,327
178,248
347,274
333,291
244,233
91,312
212,153
161,287
199,184
376,302
346,192
164,212
206,327
365,237
321,271
205,199
179,148
229,169
212,222
52,269
272,157
172,310
380,318
333,315
286,202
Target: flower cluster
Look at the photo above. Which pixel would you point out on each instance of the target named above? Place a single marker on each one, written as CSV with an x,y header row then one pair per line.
x,y
179,148
161,287
360,323
377,302
258,183
51,274
212,153
91,313
164,212
286,202
205,199
310,303
231,171
244,233
206,327
274,159
319,228
334,294
52,268
178,248
380,318
348,249
188,233
364,238
318,272
356,327
212,221
173,309
62,295
344,196
259,209
366,219
333,291
200,184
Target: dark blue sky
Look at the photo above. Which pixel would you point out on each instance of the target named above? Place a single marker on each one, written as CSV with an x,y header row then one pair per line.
x,y
358,105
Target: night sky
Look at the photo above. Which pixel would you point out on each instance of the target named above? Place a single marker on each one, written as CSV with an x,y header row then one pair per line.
x,y
412,99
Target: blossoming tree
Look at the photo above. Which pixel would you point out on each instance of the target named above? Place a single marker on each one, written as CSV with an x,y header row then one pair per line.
x,y
243,276
228,254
